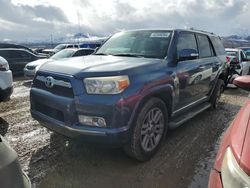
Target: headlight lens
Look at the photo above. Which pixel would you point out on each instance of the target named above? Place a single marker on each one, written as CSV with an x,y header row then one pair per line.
x,y
232,175
106,85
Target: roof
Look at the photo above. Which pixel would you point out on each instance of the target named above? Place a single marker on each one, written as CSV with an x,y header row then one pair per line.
x,y
18,49
232,49
171,29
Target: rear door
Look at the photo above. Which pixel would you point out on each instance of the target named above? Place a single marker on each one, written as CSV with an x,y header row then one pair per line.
x,y
189,72
208,65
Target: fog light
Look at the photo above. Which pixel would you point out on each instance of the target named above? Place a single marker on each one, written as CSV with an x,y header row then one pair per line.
x,y
92,121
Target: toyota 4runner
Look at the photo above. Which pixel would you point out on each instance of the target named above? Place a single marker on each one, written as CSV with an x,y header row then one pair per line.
x,y
133,89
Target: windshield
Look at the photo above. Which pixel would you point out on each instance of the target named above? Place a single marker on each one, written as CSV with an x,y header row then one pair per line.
x,y
60,47
63,54
149,44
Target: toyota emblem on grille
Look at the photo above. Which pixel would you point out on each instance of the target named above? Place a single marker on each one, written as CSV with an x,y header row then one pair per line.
x,y
49,82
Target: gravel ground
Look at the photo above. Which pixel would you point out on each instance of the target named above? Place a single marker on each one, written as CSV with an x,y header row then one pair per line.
x,y
52,160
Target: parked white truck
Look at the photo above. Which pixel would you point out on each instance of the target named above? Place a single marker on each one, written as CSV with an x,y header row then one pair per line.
x,y
6,80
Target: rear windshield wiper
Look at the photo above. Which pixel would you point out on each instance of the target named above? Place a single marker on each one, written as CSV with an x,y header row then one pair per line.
x,y
127,55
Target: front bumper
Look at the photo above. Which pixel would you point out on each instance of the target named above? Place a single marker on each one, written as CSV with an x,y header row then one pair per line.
x,y
105,136
60,114
5,94
29,73
215,180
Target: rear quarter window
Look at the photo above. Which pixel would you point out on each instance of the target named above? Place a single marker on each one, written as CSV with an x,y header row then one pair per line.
x,y
218,46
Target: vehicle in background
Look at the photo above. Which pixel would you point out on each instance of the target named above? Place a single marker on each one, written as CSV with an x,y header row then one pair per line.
x,y
31,68
93,43
7,45
90,45
237,56
128,93
59,48
232,165
11,174
246,51
18,58
6,82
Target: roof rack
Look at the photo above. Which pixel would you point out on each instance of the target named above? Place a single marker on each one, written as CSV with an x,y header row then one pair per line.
x,y
192,28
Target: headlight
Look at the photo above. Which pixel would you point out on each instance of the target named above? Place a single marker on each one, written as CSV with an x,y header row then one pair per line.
x,y
106,85
4,67
232,175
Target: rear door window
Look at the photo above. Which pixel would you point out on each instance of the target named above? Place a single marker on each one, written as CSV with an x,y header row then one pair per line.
x,y
186,41
204,46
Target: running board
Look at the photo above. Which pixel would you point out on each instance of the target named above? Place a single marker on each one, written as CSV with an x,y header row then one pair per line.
x,y
177,121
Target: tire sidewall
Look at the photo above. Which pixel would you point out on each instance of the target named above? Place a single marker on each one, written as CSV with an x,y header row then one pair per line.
x,y
152,103
217,93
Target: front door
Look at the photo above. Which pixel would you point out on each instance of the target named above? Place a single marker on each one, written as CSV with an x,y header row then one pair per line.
x,y
193,75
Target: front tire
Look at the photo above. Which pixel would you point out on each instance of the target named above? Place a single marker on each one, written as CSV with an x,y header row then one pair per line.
x,y
149,130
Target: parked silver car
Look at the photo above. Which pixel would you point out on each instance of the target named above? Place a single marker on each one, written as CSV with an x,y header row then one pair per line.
x,y
6,83
239,57
31,68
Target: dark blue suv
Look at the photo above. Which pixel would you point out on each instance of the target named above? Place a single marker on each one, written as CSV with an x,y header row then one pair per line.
x,y
133,89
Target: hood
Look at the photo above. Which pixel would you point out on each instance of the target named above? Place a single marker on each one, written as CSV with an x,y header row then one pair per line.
x,y
3,61
39,62
237,137
245,153
94,63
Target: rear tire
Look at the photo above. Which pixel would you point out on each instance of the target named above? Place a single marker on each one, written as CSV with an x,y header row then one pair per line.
x,y
149,130
218,90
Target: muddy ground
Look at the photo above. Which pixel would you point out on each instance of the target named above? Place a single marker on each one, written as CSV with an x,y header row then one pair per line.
x,y
51,160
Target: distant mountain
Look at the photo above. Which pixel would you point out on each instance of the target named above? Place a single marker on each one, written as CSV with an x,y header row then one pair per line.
x,y
234,41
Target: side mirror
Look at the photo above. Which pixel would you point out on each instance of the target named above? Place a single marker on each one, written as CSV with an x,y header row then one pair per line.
x,y
242,82
96,49
187,54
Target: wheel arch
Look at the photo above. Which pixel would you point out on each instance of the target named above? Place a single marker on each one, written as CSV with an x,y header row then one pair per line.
x,y
165,93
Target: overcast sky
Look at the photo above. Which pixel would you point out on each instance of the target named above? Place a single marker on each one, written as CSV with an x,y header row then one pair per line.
x,y
28,20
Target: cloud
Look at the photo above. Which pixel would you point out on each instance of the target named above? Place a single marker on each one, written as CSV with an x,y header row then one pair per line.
x,y
219,16
24,22
32,20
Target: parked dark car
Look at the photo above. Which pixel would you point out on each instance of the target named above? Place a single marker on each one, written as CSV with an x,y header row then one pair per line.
x,y
129,93
18,58
18,46
11,175
232,164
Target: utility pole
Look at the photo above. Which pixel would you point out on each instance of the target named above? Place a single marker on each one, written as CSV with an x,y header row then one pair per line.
x,y
51,40
79,26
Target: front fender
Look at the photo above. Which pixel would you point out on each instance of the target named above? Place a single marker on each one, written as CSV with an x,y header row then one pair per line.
x,y
165,92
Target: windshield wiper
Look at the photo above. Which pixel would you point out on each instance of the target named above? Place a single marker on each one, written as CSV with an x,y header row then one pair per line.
x,y
127,55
